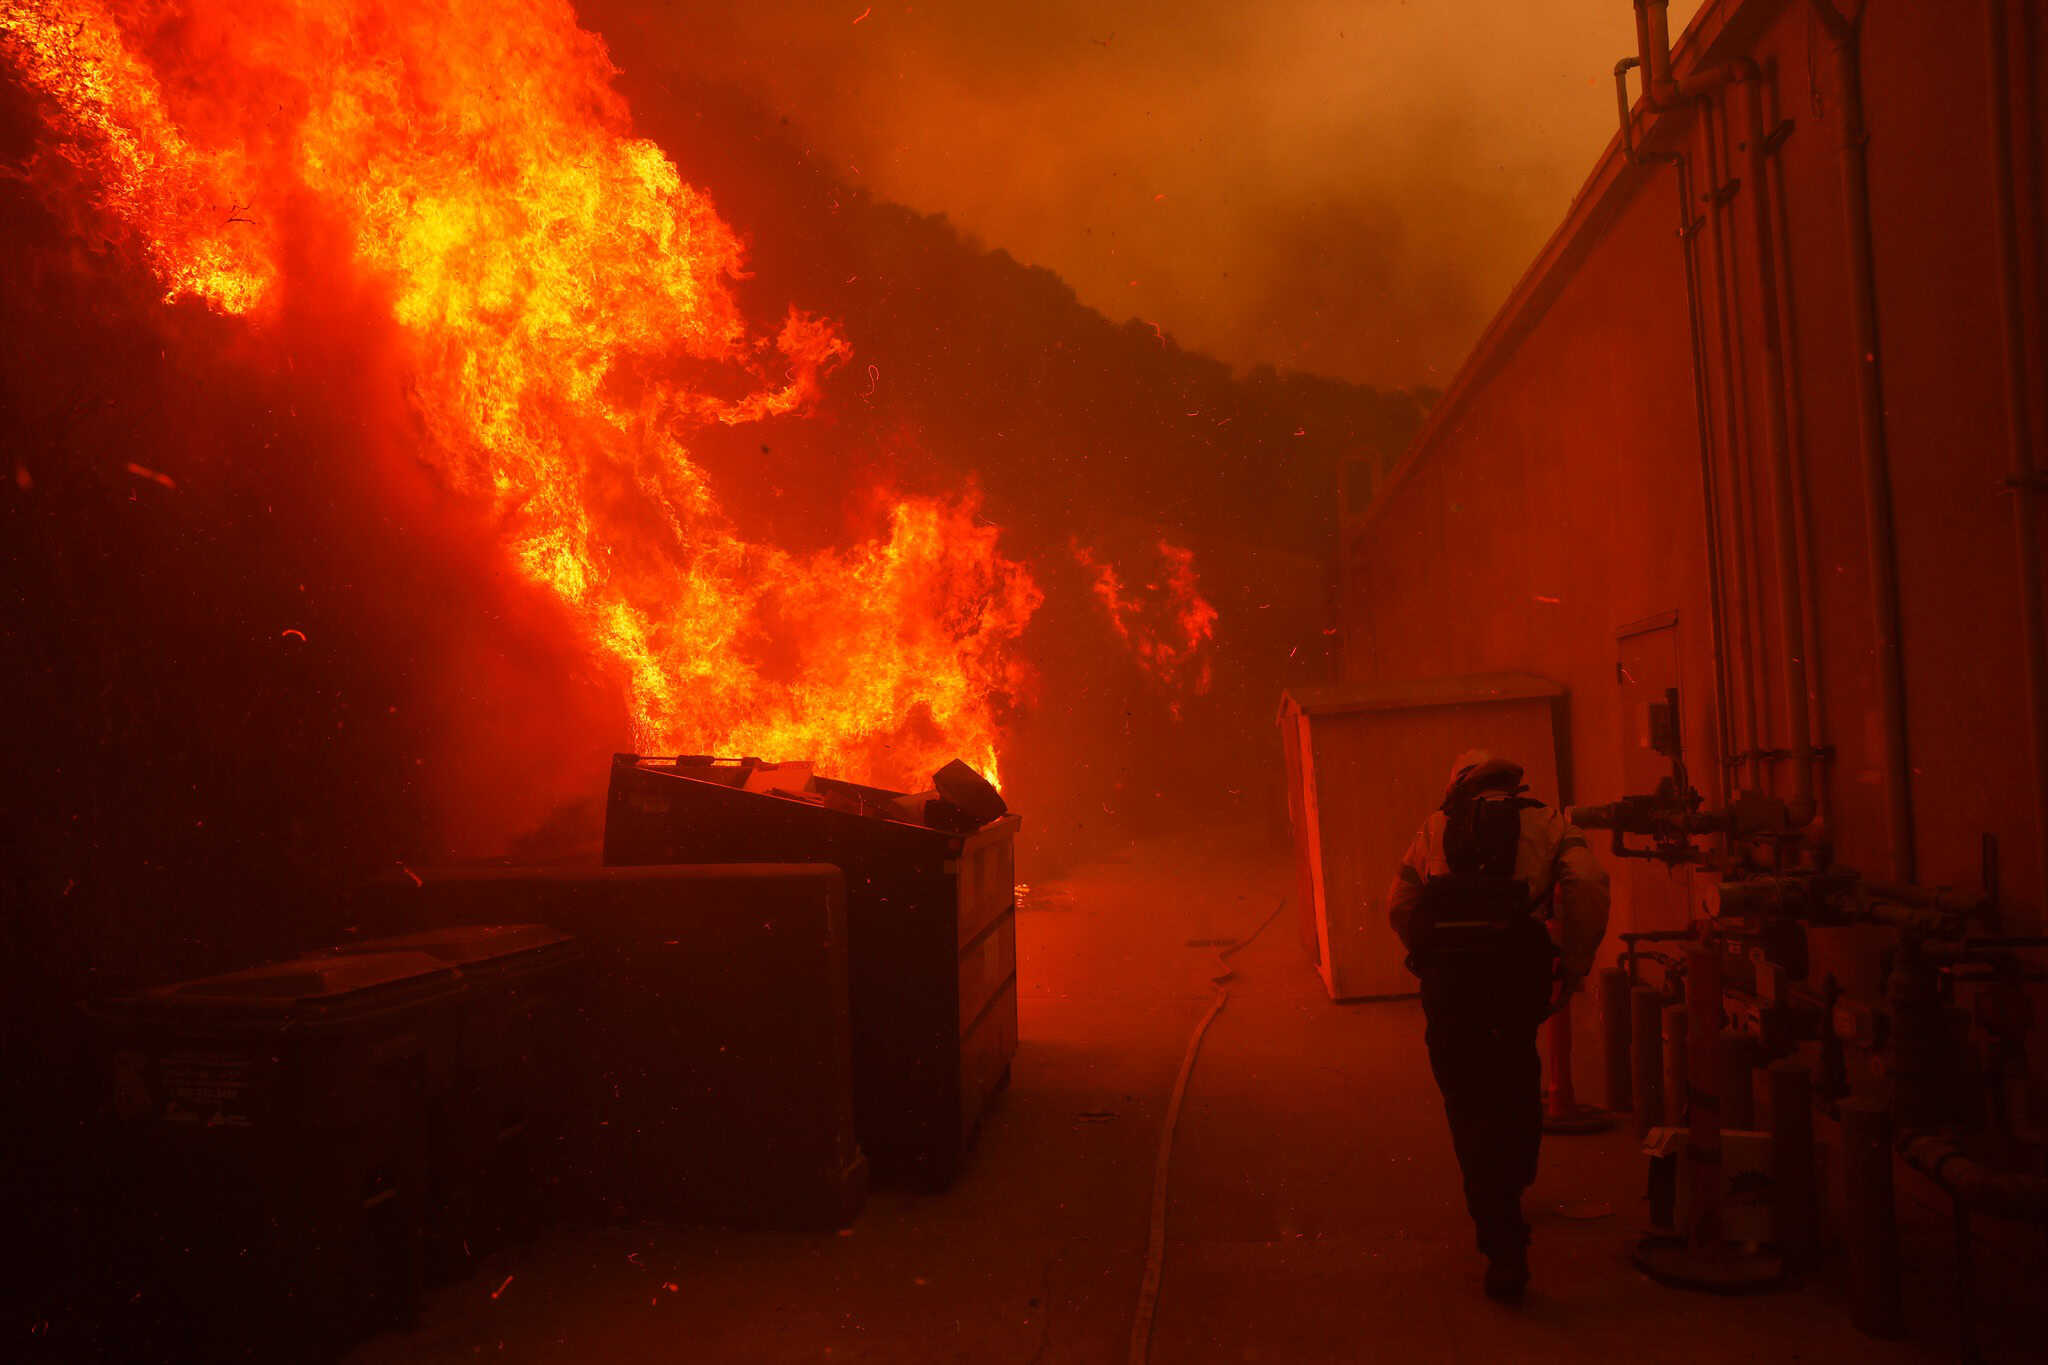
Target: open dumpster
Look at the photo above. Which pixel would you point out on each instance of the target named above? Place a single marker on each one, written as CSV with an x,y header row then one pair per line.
x,y
931,930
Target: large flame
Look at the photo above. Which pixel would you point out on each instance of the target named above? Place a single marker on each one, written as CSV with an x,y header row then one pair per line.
x,y
568,319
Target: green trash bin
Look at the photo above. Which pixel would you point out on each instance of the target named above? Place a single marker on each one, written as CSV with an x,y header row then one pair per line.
x,y
265,1155
496,1142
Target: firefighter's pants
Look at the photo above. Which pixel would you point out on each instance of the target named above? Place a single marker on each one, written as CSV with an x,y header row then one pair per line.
x,y
1482,1018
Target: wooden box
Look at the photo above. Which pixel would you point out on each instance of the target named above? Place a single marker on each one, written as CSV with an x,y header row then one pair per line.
x,y
1366,764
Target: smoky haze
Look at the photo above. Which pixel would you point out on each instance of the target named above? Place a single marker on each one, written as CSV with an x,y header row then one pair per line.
x,y
1346,188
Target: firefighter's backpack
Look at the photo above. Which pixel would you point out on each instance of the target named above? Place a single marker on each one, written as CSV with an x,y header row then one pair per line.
x,y
1480,907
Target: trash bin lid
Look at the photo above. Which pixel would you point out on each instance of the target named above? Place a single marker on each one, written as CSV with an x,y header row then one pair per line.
x,y
309,988
471,945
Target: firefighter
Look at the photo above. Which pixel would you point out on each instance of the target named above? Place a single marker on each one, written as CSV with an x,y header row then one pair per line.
x,y
1469,905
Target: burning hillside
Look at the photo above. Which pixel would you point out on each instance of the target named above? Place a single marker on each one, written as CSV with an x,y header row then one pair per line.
x,y
396,431
567,322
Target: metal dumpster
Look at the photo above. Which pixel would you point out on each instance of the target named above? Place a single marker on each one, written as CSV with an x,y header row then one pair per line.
x,y
267,1145
496,1139
713,1075
932,943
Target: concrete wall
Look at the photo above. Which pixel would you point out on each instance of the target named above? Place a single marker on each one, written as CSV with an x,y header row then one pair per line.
x,y
1556,497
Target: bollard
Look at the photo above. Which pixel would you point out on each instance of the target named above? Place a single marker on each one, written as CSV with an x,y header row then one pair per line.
x,y
1646,1059
1562,1112
1736,1063
1872,1218
1674,1066
1794,1181
1614,1037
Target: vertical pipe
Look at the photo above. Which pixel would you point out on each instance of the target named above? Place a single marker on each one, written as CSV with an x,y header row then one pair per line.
x,y
1873,1225
1674,1029
1794,1189
1735,1066
2026,86
1777,456
1614,1035
1809,598
1704,1019
1732,428
1655,31
1880,540
1966,1285
1643,45
1628,127
2025,485
1646,1058
1710,502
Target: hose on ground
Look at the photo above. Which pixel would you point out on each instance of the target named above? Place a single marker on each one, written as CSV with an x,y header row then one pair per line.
x,y
1155,1244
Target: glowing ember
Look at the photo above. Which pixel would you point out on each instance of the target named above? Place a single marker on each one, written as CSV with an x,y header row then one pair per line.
x,y
555,281
1170,627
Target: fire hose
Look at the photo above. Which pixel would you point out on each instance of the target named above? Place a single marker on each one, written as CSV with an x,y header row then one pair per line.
x,y
1155,1244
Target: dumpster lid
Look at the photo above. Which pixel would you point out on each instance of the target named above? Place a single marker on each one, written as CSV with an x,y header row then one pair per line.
x,y
311,987
469,944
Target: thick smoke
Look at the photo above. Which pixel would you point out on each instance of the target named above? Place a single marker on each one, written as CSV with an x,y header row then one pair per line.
x,y
1339,187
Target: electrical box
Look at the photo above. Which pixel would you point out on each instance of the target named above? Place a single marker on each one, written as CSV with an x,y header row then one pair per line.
x,y
1366,764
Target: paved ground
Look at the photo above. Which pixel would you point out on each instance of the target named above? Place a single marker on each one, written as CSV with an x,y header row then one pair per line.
x,y
1314,1214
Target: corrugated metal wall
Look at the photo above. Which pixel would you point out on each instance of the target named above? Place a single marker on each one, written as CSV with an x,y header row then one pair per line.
x,y
1551,517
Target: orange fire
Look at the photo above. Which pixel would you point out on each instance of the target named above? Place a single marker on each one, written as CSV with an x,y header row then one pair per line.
x,y
1171,627
565,306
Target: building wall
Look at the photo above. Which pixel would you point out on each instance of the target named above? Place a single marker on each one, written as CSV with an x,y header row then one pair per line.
x,y
1555,499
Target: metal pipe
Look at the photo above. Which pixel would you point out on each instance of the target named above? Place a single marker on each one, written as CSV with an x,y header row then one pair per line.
x,y
1646,1060
1628,130
1663,92
1688,231
1643,42
1873,1222
1795,1192
1732,429
2001,944
1880,540
1653,38
1778,458
1973,1187
2025,483
2004,1194
1735,1063
1966,1282
1919,919
1674,1087
1704,1020
1710,503
1809,593
1614,1035
2028,158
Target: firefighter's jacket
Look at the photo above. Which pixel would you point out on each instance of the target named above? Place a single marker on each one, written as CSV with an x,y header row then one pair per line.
x,y
1550,855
